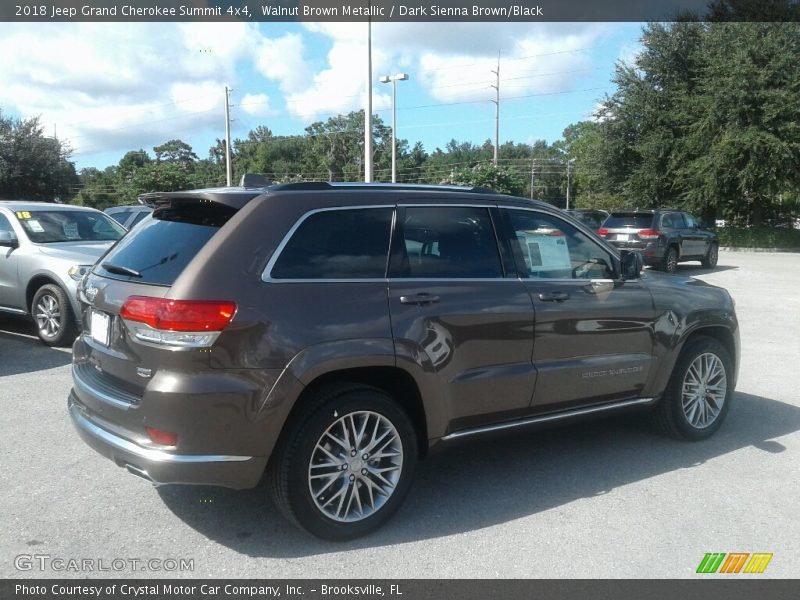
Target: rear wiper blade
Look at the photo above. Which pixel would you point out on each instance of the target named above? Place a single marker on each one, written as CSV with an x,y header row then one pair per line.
x,y
120,270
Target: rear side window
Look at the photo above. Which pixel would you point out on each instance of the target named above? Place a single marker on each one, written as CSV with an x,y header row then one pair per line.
x,y
159,249
337,244
634,220
447,242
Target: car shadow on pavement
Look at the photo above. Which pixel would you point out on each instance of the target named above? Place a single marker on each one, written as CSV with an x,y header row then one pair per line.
x,y
22,352
691,270
492,482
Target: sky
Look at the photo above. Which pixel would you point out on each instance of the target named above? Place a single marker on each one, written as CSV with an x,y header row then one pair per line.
x,y
106,88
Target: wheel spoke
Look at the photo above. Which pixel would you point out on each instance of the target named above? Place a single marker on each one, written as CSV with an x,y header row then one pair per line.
x,y
704,389
359,482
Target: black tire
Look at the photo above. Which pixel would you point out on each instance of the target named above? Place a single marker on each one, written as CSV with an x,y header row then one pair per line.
x,y
711,257
670,262
52,314
289,475
669,415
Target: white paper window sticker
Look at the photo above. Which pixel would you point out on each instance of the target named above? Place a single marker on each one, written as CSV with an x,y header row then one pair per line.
x,y
34,225
71,230
545,252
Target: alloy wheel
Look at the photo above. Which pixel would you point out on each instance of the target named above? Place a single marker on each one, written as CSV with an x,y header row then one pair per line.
x,y
48,315
705,386
355,466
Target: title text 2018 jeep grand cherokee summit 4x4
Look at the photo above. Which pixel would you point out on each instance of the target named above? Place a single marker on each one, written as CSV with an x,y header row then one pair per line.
x,y
332,334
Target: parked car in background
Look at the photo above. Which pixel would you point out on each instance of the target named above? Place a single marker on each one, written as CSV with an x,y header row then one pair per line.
x,y
592,217
128,215
45,249
664,237
334,333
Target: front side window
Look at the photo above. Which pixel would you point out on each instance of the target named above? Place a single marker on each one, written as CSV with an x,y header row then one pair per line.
x,y
447,242
51,226
690,221
547,247
337,244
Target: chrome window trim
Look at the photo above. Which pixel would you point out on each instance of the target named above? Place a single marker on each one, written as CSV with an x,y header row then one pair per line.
x,y
266,275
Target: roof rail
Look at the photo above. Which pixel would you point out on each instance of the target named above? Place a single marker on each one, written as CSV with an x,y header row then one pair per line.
x,y
326,185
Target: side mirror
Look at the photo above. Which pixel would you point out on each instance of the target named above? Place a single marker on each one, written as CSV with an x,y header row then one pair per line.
x,y
7,238
632,264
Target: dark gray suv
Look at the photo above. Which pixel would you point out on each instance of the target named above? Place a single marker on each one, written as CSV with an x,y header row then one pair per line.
x,y
330,335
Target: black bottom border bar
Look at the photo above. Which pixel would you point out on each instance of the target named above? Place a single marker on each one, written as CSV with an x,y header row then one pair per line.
x,y
719,588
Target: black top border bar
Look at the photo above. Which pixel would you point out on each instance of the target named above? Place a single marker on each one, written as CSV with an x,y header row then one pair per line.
x,y
522,11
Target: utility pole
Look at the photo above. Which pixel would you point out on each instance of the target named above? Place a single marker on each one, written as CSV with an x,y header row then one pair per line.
x,y
497,111
569,164
533,170
368,109
228,169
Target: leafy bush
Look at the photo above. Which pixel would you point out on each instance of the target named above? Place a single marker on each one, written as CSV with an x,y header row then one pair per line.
x,y
763,237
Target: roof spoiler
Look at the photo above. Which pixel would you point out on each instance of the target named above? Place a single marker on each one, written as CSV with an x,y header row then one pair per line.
x,y
255,180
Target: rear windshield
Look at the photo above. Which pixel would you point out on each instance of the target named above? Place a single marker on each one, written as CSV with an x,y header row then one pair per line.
x,y
53,226
635,220
158,250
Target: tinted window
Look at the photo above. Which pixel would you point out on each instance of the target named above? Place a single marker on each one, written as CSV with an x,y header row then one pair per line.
x,y
160,248
592,219
634,220
5,225
120,216
690,220
50,226
139,216
337,244
545,246
447,242
669,221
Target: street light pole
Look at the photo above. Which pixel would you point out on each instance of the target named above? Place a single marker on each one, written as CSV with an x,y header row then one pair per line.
x,y
368,110
394,79
228,167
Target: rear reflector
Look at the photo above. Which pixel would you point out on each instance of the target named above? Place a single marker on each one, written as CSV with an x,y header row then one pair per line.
x,y
649,234
178,315
165,438
602,232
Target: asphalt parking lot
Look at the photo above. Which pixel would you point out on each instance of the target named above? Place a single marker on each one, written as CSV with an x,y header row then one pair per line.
x,y
609,498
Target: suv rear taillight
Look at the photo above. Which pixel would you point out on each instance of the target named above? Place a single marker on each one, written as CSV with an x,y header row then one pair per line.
x,y
649,234
187,323
602,232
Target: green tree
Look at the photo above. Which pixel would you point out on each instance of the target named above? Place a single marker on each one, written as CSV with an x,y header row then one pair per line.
x,y
32,166
487,175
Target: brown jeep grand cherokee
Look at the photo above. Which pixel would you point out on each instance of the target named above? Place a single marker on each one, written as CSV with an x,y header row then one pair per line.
x,y
333,334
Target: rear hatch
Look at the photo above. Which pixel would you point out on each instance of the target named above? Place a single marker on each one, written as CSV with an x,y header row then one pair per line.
x,y
629,229
132,329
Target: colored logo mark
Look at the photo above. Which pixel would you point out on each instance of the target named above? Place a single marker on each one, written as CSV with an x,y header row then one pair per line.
x,y
734,562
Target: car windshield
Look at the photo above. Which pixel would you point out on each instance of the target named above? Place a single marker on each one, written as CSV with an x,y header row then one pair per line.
x,y
634,220
51,226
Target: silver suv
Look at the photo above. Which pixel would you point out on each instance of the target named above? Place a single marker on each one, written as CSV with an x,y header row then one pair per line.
x,y
45,249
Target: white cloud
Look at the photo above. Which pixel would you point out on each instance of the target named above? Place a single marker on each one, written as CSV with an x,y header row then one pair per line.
x,y
282,59
121,85
116,86
256,105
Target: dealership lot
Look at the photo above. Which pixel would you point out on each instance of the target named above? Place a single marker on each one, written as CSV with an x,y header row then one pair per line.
x,y
607,498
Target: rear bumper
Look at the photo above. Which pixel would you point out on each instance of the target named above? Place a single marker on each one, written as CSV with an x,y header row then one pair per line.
x,y
162,466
